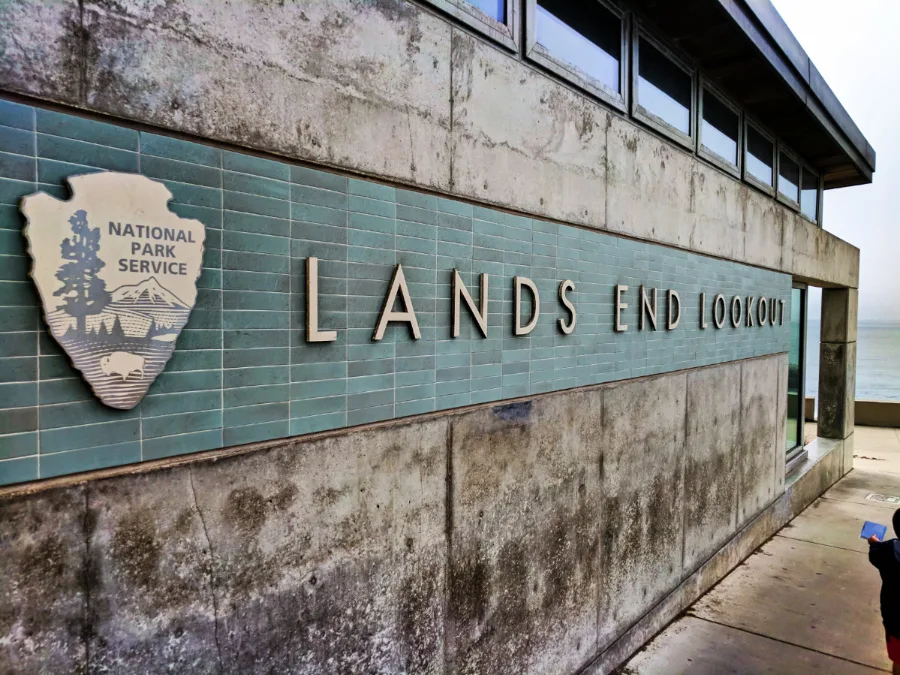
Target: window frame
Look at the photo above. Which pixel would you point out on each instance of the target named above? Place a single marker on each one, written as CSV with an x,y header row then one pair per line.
x,y
804,167
537,53
794,453
703,85
506,33
640,31
795,158
628,102
747,176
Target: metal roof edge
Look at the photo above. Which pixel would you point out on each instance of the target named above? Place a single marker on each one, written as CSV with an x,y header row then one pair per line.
x,y
763,25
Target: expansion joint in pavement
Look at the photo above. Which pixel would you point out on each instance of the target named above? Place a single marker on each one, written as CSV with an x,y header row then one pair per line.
x,y
786,642
819,543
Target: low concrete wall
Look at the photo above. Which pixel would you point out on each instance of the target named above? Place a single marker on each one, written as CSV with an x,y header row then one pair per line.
x,y
877,413
523,537
867,413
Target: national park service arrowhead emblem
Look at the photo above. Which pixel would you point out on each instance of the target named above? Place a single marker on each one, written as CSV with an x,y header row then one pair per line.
x,y
117,275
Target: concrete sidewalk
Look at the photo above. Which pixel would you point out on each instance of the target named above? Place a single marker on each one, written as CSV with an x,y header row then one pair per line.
x,y
807,600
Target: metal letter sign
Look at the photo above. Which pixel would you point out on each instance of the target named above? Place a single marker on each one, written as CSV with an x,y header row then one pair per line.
x,y
117,275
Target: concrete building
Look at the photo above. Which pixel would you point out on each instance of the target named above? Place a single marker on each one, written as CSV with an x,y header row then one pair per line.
x,y
546,391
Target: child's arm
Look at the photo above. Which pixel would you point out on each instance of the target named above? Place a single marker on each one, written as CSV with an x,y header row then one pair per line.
x,y
881,553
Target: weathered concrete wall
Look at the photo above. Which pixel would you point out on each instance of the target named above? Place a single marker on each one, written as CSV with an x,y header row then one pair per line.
x,y
713,442
545,154
326,556
757,476
526,508
643,498
821,470
363,84
525,537
390,89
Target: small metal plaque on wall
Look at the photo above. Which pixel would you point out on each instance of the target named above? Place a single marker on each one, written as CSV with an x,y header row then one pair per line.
x,y
117,274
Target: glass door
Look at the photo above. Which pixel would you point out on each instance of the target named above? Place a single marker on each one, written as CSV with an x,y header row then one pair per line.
x,y
796,372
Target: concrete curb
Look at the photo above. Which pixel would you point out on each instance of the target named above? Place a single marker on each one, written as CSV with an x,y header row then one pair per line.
x,y
867,413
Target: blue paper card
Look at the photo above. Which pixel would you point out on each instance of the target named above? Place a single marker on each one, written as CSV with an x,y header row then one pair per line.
x,y
870,528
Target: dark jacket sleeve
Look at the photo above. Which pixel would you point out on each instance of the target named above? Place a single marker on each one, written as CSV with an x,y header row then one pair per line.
x,y
881,553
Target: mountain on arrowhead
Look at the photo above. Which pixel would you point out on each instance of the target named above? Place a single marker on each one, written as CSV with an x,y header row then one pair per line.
x,y
147,292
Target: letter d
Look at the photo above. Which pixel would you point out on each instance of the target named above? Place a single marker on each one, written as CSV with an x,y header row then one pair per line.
x,y
518,282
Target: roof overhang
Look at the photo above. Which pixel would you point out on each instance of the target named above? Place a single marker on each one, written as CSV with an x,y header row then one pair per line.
x,y
747,48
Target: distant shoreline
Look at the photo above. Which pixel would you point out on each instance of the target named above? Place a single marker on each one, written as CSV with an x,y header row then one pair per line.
x,y
877,359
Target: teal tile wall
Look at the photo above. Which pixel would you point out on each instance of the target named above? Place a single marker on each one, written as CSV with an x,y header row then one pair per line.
x,y
242,370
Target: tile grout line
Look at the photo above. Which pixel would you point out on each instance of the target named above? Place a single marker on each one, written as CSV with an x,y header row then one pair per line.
x,y
221,170
394,342
346,312
140,405
291,303
37,333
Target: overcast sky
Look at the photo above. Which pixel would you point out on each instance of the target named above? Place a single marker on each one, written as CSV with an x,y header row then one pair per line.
x,y
856,47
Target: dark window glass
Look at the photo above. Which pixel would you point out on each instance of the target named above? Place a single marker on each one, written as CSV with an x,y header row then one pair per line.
x,y
664,89
789,178
584,34
760,153
809,195
720,128
495,9
795,371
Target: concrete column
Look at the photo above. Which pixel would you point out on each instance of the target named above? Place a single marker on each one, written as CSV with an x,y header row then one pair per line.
x,y
837,363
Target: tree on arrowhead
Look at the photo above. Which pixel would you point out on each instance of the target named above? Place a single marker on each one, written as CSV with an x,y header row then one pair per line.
x,y
84,292
116,334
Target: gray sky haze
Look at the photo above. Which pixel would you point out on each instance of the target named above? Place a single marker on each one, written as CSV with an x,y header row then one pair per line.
x,y
856,47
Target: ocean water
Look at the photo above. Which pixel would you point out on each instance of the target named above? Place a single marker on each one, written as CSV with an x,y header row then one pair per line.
x,y
877,360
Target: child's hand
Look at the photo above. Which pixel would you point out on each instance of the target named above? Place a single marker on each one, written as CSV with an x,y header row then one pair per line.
x,y
873,539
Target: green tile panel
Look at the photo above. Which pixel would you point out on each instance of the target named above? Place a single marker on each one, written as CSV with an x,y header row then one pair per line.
x,y
242,370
